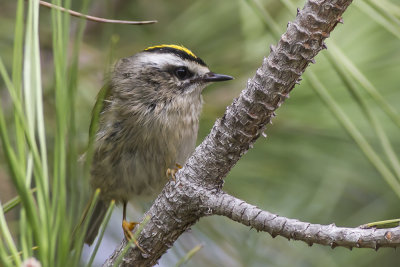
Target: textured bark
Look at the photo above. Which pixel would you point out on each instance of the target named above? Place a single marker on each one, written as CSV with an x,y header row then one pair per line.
x,y
197,191
328,235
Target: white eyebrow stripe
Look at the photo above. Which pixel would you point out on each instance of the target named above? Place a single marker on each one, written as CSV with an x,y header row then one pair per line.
x,y
165,59
197,68
161,59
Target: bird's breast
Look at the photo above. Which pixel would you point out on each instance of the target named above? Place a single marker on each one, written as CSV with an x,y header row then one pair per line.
x,y
133,153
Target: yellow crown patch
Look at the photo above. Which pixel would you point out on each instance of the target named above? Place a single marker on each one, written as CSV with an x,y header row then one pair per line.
x,y
178,47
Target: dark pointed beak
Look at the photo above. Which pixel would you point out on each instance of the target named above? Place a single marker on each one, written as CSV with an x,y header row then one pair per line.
x,y
214,77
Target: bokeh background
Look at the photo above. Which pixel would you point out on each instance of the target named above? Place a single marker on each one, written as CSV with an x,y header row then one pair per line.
x,y
307,168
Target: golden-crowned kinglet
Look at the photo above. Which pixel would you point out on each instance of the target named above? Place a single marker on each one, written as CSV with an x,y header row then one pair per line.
x,y
148,125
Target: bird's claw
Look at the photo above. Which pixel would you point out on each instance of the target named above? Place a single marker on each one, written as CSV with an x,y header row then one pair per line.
x,y
128,227
171,172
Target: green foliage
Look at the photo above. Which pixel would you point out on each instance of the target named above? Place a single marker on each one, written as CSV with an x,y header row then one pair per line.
x,y
334,160
46,218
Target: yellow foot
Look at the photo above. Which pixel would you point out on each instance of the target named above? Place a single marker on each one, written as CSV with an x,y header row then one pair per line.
x,y
171,172
128,227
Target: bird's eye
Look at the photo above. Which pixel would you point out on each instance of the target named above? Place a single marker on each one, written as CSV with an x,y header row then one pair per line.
x,y
182,73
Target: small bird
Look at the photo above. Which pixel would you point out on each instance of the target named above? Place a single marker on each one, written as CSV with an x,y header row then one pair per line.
x,y
147,126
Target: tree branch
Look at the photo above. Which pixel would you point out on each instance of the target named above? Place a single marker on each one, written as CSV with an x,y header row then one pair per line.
x,y
197,191
246,118
328,235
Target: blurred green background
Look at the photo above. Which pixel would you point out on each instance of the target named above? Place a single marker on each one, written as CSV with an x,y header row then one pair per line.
x,y
307,168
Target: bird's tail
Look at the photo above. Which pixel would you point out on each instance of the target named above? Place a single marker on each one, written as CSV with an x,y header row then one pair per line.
x,y
96,219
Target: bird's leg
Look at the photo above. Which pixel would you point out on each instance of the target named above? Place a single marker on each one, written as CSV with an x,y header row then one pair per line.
x,y
171,172
127,226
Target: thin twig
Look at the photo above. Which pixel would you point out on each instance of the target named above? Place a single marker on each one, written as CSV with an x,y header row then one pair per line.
x,y
96,19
